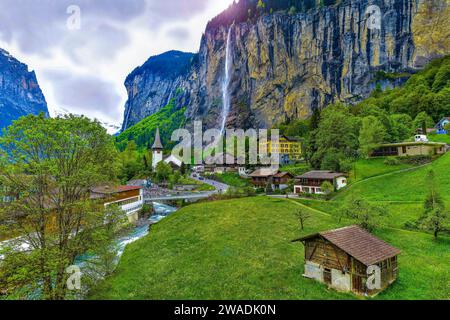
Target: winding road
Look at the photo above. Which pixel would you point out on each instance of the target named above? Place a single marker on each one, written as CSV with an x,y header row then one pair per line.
x,y
219,189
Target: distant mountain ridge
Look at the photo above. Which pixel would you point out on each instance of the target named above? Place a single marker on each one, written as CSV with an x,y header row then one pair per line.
x,y
20,93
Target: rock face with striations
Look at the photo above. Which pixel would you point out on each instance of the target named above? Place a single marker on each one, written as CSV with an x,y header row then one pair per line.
x,y
20,94
286,64
151,86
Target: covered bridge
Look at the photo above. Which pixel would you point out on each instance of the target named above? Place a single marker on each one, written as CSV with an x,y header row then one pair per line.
x,y
341,258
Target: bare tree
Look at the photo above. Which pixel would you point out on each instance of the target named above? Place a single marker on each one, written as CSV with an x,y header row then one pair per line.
x,y
302,216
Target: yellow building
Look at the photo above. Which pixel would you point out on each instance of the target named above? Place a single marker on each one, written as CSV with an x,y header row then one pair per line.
x,y
292,147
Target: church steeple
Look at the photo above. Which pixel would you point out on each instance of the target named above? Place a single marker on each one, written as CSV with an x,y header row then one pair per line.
x,y
157,145
157,150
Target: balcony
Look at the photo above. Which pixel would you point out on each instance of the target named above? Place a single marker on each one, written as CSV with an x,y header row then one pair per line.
x,y
130,205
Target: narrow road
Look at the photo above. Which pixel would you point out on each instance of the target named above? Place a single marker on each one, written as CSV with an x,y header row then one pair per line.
x,y
220,187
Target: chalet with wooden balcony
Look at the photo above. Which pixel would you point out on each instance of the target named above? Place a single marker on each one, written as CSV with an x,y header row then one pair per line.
x,y
128,198
278,180
312,181
224,162
350,259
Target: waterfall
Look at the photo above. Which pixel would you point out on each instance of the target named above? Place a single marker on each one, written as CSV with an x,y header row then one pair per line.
x,y
226,83
125,120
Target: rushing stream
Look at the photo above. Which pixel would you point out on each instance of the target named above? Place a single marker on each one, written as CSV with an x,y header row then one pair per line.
x,y
161,212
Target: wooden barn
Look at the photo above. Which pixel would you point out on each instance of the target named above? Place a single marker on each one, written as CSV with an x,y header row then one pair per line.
x,y
341,258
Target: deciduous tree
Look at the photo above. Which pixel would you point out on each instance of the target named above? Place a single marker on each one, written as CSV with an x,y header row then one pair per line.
x,y
50,165
372,134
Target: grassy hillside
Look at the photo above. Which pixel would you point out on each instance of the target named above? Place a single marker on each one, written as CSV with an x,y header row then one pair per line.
x,y
167,119
440,138
231,179
404,186
241,249
367,168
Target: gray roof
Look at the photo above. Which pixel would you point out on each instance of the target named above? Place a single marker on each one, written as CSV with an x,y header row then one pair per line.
x,y
324,175
292,139
413,143
264,173
157,145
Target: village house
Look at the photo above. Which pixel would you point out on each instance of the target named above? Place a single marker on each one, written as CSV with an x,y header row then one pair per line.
x,y
128,198
345,259
222,163
174,162
409,149
289,148
265,176
312,181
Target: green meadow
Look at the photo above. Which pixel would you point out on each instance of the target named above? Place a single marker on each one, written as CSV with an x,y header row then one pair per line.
x,y
242,249
403,186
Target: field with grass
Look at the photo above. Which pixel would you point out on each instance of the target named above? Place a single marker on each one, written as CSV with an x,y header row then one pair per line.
x,y
231,179
403,186
440,138
367,168
242,249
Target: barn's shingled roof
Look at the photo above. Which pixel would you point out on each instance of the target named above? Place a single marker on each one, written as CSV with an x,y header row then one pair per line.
x,y
359,244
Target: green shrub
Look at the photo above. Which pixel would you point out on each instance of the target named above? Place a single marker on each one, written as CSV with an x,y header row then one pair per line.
x,y
417,160
391,162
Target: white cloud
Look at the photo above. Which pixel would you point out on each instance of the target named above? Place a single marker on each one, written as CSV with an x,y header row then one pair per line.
x,y
83,70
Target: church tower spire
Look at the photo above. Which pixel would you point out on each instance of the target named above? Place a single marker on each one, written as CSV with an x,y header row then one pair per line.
x,y
157,150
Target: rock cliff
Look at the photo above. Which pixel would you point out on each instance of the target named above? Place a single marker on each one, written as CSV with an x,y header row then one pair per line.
x,y
151,86
19,91
285,64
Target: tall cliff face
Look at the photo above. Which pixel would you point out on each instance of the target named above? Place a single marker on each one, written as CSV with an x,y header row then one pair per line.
x,y
285,65
151,86
20,93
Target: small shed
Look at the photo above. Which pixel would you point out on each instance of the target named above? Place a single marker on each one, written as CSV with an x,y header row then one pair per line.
x,y
346,258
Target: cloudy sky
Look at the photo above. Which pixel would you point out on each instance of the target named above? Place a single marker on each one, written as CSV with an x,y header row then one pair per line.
x,y
82,50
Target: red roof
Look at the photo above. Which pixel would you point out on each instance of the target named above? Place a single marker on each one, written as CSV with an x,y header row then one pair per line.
x,y
114,189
